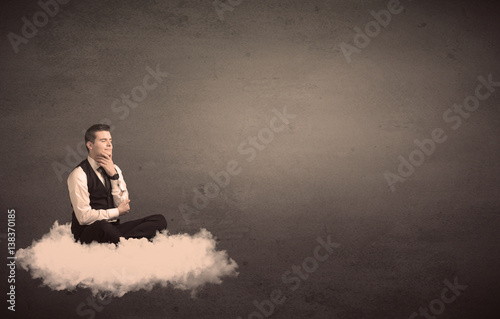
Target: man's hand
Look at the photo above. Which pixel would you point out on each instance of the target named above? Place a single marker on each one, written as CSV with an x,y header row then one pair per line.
x,y
124,207
105,160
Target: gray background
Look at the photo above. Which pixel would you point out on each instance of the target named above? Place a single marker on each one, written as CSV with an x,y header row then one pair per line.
x,y
323,175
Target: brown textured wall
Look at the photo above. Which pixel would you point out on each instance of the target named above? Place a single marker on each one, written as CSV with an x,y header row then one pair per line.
x,y
229,71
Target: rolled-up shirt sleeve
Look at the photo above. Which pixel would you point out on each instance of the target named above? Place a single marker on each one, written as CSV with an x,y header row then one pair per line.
x,y
80,198
119,188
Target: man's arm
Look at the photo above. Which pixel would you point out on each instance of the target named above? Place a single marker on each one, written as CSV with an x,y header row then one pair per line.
x,y
119,188
80,199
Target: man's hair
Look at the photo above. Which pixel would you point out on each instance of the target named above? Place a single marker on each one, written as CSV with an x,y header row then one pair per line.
x,y
90,134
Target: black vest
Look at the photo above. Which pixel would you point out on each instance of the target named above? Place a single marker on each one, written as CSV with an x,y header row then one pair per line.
x,y
100,197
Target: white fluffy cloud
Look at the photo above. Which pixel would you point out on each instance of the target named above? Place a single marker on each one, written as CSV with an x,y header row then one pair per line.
x,y
183,261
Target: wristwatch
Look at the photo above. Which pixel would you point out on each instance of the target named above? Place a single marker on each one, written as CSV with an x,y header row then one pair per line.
x,y
114,177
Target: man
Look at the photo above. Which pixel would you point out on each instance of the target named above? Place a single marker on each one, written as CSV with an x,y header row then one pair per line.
x,y
99,196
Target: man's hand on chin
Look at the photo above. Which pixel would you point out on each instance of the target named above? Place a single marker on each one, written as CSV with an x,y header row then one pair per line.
x,y
105,160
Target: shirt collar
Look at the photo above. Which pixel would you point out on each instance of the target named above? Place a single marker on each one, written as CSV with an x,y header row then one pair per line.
x,y
93,163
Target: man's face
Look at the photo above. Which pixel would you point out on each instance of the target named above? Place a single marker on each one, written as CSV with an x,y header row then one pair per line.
x,y
101,145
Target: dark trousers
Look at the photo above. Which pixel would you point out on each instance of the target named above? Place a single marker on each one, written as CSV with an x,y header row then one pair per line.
x,y
105,232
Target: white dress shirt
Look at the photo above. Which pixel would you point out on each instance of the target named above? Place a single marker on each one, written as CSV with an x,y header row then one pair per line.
x,y
80,196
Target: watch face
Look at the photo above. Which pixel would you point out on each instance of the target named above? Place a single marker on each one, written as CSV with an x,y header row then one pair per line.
x,y
115,177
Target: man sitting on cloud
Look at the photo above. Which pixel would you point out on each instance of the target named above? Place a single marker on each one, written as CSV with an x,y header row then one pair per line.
x,y
99,196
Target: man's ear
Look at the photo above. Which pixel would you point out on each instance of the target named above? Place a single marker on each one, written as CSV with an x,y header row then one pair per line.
x,y
89,145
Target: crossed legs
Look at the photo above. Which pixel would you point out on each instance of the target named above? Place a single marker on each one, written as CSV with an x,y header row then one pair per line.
x,y
105,232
